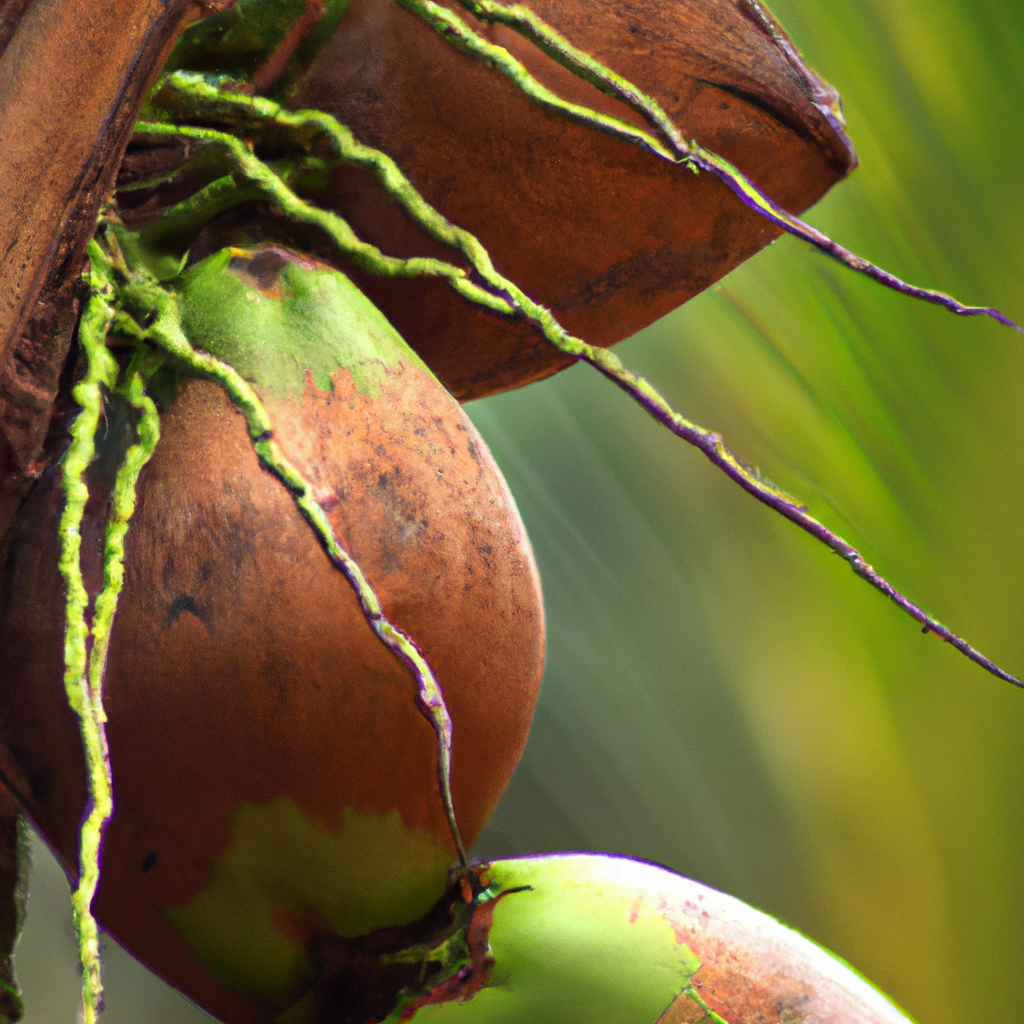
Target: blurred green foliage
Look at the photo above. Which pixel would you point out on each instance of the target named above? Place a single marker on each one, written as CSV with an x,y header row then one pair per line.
x,y
722,694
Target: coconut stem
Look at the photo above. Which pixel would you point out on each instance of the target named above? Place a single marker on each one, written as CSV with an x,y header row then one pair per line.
x,y
166,331
228,106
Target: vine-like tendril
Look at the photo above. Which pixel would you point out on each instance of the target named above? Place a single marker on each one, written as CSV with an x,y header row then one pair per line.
x,y
212,101
144,294
85,646
255,172
675,148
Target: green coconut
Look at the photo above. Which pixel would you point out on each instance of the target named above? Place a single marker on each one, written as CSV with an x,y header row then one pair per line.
x,y
572,938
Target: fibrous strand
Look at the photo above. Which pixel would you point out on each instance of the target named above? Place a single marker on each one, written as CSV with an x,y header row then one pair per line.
x,y
209,99
84,661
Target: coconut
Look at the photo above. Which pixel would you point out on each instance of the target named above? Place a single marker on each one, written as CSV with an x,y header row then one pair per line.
x,y
608,236
611,940
564,938
273,777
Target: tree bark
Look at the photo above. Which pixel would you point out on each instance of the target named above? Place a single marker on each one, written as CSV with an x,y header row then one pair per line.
x,y
73,74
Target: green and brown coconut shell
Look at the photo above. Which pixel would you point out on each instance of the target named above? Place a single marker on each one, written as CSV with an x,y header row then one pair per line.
x,y
272,774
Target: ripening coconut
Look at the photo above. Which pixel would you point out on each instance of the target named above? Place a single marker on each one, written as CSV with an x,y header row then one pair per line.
x,y
273,777
605,234
565,938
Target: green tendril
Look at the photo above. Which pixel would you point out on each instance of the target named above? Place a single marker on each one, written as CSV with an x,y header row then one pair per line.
x,y
679,150
449,25
253,171
522,20
166,332
101,370
254,113
85,661
209,99
122,508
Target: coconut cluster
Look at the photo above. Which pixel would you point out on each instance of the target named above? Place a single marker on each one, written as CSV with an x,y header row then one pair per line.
x,y
329,634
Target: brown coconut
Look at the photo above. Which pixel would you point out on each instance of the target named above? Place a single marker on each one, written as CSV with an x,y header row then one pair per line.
x,y
245,686
608,236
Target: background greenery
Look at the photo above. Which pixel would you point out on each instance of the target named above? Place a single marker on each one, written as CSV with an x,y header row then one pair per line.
x,y
724,696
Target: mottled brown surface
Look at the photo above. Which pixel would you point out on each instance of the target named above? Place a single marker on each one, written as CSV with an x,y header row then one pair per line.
x,y
608,236
72,76
241,666
756,971
10,14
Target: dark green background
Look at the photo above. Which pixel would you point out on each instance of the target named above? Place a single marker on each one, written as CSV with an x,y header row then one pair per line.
x,y
723,695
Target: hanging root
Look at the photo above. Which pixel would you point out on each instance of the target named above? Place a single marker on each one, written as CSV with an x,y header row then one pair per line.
x,y
85,663
674,146
209,101
166,332
122,508
101,369
253,172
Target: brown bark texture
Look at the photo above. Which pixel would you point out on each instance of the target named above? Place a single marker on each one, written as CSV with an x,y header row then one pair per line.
x,y
73,74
